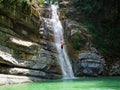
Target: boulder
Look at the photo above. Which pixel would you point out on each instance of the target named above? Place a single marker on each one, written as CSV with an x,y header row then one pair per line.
x,y
115,69
22,71
90,64
27,47
6,58
13,79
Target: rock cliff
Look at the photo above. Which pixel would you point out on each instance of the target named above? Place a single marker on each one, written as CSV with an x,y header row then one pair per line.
x,y
27,51
85,57
80,37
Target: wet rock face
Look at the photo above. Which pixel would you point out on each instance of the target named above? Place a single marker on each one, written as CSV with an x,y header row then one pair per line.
x,y
90,64
13,79
115,69
74,30
78,38
85,57
26,43
63,3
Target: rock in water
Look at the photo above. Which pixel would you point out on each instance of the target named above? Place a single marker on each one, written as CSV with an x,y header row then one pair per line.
x,y
115,69
90,64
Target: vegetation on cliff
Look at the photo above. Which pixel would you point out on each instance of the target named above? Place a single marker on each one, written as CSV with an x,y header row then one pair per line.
x,y
23,50
102,18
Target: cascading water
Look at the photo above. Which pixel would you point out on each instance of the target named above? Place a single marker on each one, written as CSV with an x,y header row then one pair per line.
x,y
62,54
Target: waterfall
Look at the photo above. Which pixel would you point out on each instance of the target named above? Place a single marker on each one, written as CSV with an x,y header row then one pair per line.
x,y
62,54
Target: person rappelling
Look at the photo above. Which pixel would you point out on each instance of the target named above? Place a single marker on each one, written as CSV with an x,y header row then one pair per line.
x,y
62,45
62,42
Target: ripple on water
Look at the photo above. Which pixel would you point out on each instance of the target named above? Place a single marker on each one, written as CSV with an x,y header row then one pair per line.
x,y
101,83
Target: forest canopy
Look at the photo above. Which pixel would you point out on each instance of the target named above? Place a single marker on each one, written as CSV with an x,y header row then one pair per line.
x,y
102,18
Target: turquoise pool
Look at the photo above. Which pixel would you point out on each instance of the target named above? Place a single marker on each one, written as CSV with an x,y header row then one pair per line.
x,y
98,83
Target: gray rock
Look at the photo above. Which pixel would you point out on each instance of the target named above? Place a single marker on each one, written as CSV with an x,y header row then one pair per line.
x,y
13,79
7,58
26,45
87,72
22,71
115,69
90,64
89,55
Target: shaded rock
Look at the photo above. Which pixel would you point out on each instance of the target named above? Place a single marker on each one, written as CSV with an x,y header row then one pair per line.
x,y
90,64
47,11
22,71
7,58
115,69
13,79
89,55
22,42
26,42
64,3
77,35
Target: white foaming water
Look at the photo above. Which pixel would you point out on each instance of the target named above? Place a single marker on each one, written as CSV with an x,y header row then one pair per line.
x,y
62,54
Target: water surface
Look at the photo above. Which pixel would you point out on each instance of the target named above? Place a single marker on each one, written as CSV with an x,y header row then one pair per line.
x,y
106,83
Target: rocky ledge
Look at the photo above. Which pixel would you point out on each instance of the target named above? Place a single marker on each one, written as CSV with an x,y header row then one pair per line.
x,y
86,59
90,64
27,50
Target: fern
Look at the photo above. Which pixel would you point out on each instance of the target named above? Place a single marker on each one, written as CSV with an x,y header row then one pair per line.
x,y
1,1
41,1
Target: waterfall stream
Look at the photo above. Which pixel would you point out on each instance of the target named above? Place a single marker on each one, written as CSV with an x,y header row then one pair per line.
x,y
62,54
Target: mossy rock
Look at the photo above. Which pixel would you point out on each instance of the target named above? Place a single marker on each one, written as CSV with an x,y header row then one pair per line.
x,y
78,41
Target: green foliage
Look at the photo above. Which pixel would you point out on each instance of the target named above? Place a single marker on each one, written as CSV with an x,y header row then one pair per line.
x,y
19,6
1,1
78,41
41,1
22,1
53,1
14,2
89,25
86,6
106,41
102,19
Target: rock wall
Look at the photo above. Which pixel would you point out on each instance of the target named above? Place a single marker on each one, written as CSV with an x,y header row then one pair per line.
x,y
90,64
85,58
26,46
27,49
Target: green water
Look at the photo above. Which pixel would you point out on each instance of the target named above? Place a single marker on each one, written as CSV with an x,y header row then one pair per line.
x,y
106,83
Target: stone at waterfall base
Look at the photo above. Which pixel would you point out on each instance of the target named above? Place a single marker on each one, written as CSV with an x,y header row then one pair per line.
x,y
14,79
90,64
